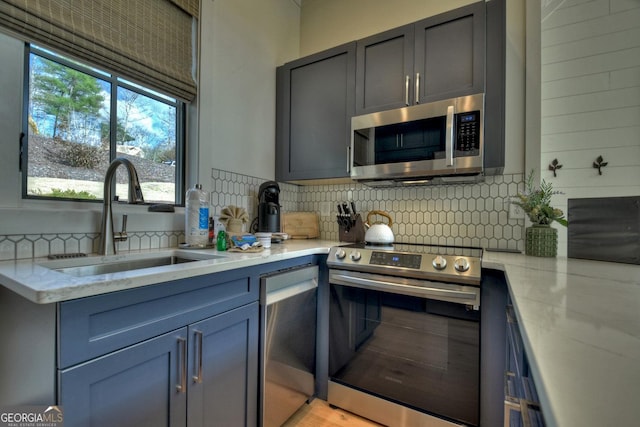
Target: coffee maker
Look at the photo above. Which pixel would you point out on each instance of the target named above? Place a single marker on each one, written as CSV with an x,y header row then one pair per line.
x,y
269,207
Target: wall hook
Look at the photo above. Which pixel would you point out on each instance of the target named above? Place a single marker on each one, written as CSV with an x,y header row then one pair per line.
x,y
599,164
554,166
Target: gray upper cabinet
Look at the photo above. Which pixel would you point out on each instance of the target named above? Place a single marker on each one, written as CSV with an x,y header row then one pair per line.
x,y
436,58
384,69
449,51
314,105
494,100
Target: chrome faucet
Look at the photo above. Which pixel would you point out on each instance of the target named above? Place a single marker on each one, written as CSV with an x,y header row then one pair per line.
x,y
108,237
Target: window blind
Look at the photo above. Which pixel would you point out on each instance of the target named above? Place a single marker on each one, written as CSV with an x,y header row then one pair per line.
x,y
147,41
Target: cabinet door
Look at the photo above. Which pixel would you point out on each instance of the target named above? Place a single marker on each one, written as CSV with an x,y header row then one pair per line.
x,y
384,70
133,387
223,369
449,53
315,102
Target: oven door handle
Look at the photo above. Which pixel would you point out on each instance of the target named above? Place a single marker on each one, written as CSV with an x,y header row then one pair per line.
x,y
466,297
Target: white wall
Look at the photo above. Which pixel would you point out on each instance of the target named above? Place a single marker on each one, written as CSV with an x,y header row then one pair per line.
x,y
591,99
328,23
242,43
11,63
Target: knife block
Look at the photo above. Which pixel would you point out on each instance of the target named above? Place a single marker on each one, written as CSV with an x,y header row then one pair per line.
x,y
355,233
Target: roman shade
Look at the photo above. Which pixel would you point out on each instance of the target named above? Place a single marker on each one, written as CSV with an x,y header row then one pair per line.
x,y
148,41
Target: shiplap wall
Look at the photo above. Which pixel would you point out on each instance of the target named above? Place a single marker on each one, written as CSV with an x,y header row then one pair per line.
x,y
591,99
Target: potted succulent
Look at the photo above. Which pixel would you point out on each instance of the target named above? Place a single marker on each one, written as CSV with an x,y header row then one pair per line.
x,y
541,239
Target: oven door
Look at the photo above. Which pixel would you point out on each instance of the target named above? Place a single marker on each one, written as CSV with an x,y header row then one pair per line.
x,y
410,342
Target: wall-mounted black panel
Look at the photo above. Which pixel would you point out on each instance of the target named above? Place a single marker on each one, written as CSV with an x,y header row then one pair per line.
x,y
605,229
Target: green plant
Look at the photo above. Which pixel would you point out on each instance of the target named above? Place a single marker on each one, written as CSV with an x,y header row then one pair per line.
x,y
536,203
71,194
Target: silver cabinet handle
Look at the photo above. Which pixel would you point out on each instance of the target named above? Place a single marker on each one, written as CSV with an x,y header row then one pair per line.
x,y
417,98
406,90
182,365
401,140
449,136
197,378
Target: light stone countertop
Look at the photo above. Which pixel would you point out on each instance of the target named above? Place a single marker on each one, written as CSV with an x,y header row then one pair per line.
x,y
580,320
42,285
580,323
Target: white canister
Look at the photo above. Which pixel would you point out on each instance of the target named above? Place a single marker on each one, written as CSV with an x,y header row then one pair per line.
x,y
264,239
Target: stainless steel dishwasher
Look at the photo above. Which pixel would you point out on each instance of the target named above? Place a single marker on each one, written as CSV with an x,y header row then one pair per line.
x,y
288,301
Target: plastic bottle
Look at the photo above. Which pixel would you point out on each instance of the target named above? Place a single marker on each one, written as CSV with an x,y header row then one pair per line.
x,y
196,217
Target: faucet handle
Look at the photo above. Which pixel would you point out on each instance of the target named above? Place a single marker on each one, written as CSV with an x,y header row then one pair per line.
x,y
122,235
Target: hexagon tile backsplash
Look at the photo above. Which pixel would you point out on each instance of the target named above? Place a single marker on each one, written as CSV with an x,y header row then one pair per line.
x,y
467,215
463,215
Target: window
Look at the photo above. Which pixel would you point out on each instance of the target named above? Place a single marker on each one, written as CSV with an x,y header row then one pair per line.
x,y
80,118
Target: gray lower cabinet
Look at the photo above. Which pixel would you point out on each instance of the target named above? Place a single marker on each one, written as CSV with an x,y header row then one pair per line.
x,y
223,369
178,353
436,58
521,405
181,353
194,376
314,105
131,387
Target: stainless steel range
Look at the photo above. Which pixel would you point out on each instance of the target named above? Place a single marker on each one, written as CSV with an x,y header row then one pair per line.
x,y
404,333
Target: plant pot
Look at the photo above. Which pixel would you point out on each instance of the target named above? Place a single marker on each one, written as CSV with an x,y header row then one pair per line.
x,y
541,240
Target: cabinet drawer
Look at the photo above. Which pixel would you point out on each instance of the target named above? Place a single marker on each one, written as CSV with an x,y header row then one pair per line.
x,y
94,326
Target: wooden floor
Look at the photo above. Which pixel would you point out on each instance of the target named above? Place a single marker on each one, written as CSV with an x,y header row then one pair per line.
x,y
318,413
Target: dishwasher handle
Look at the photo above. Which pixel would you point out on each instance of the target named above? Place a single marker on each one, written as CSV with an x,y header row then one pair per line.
x,y
283,285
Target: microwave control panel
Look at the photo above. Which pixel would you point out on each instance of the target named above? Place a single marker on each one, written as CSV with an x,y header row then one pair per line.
x,y
467,134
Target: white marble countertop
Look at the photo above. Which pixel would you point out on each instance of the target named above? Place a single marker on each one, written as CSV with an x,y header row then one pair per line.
x,y
580,320
580,323
43,285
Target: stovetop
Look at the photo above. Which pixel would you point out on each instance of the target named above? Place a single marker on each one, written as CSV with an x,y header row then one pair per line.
x,y
456,264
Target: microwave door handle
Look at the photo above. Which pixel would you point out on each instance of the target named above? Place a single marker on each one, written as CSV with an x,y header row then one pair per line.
x,y
449,137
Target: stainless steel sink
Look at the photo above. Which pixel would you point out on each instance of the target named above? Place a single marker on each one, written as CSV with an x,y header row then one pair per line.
x,y
81,267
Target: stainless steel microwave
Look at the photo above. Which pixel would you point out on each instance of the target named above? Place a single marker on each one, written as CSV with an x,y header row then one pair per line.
x,y
440,141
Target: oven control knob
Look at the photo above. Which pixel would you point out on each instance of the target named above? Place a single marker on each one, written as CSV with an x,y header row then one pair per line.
x,y
340,254
355,256
461,265
439,262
